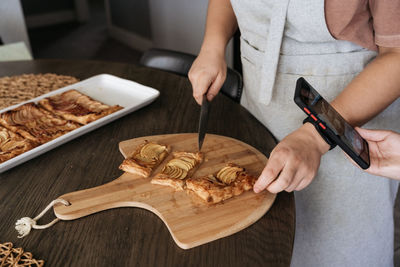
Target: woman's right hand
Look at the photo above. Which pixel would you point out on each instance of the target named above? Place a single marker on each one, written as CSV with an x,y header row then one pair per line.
x,y
384,152
207,74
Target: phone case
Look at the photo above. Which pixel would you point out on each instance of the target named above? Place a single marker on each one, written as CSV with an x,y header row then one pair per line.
x,y
329,132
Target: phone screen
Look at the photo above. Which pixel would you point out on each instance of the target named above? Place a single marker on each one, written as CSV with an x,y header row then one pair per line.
x,y
326,113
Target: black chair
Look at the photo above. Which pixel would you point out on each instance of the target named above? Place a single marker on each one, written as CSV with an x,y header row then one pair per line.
x,y
180,63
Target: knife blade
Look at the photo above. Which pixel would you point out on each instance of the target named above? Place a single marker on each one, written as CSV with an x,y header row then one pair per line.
x,y
205,106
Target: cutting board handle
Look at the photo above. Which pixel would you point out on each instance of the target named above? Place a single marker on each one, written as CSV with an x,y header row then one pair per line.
x,y
114,194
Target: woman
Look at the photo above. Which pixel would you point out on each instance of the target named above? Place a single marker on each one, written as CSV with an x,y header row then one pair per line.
x,y
345,216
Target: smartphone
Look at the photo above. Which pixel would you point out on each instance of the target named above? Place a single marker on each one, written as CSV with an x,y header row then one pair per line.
x,y
331,123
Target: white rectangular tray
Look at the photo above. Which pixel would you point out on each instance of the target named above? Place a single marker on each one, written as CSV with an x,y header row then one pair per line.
x,y
106,88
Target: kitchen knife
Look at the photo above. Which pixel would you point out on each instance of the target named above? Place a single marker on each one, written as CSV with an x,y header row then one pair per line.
x,y
205,106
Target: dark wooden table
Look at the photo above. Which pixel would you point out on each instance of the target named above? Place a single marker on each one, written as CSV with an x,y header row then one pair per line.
x,y
133,236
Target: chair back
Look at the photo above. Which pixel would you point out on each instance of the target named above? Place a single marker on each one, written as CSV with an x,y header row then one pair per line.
x,y
180,63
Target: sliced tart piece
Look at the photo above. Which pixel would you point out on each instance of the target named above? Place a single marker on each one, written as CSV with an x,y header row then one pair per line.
x,y
178,169
75,106
145,158
35,123
12,144
232,180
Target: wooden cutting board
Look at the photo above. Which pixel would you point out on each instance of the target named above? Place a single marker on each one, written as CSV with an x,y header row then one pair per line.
x,y
190,221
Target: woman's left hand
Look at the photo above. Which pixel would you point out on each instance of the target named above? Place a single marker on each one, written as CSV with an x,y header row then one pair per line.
x,y
294,162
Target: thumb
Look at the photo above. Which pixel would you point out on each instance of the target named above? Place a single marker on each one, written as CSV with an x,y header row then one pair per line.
x,y
373,135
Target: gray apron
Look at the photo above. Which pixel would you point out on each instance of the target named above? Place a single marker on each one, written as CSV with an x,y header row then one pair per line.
x,y
345,217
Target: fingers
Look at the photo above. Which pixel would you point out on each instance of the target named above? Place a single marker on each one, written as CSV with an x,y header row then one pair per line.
x,y
289,179
373,135
216,86
284,173
303,184
269,174
200,86
294,186
206,83
292,165
295,183
207,76
305,181
284,180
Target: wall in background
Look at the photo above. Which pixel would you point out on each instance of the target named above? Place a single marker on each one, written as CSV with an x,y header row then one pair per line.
x,y
40,13
178,24
133,16
170,24
34,7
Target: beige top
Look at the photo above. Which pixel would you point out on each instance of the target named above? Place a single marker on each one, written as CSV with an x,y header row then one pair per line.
x,y
367,23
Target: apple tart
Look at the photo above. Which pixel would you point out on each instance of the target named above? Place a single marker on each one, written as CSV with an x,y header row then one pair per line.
x,y
145,158
75,106
178,169
31,124
35,123
12,144
232,180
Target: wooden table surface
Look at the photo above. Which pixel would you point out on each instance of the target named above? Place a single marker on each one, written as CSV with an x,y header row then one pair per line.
x,y
133,236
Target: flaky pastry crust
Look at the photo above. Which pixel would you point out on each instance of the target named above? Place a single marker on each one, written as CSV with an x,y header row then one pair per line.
x,y
75,106
177,176
35,123
138,164
212,190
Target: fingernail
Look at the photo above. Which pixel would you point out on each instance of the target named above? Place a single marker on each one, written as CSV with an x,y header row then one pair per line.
x,y
210,97
256,190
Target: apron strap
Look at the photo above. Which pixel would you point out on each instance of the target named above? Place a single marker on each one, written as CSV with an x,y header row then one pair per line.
x,y
272,51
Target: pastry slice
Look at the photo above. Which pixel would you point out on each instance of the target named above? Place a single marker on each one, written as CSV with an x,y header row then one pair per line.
x,y
228,182
145,158
75,106
178,169
12,145
35,123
